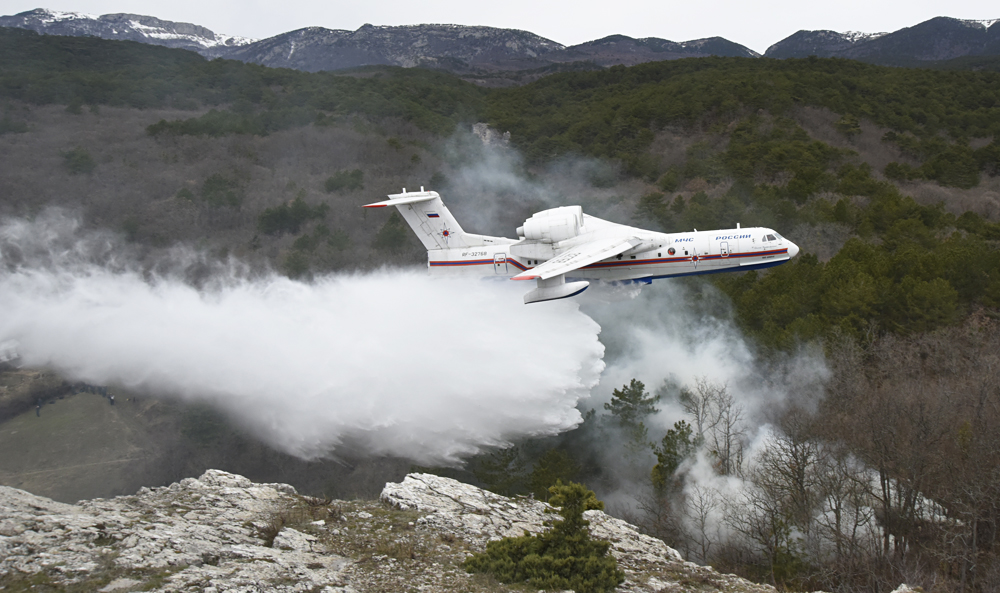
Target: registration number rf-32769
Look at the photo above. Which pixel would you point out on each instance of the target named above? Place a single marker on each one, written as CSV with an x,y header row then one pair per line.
x,y
473,254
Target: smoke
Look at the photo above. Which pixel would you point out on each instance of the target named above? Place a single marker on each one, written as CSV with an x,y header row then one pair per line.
x,y
392,362
674,332
492,190
672,335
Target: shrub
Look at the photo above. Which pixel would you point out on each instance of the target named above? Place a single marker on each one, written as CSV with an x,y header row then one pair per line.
x,y
564,557
345,180
393,236
78,160
289,218
9,126
219,190
296,264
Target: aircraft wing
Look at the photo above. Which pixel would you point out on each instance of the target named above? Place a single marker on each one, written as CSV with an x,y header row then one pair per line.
x,y
579,256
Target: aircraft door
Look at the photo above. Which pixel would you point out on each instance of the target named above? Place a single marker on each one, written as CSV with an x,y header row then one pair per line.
x,y
724,248
500,264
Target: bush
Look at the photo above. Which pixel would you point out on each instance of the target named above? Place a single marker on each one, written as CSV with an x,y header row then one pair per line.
x,y
289,218
9,126
393,236
219,190
562,558
345,180
901,172
296,264
78,160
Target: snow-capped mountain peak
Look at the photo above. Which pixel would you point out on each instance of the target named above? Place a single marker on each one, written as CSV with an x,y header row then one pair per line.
x,y
131,27
859,36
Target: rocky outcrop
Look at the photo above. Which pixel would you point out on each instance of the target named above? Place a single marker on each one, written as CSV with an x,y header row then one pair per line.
x,y
194,534
222,532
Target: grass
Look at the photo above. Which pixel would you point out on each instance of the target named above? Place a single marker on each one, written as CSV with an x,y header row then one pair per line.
x,y
76,448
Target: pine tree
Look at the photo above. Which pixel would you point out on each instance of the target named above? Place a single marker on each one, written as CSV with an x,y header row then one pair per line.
x,y
564,557
630,405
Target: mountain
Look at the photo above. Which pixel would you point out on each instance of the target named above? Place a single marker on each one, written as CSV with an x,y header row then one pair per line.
x,y
940,38
456,48
492,55
619,49
130,27
451,47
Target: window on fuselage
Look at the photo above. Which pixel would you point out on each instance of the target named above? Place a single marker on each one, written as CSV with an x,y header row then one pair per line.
x,y
769,238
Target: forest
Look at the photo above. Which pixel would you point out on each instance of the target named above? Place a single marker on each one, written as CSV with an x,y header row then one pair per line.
x,y
887,177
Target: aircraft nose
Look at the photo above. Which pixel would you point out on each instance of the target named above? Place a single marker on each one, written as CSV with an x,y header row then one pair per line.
x,y
793,250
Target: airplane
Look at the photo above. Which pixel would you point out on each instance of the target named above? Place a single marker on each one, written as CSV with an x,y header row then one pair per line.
x,y
563,250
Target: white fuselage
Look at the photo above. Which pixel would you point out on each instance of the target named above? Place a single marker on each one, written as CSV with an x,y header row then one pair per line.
x,y
659,255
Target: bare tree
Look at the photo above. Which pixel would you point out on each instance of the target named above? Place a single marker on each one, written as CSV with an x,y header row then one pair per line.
x,y
719,421
702,508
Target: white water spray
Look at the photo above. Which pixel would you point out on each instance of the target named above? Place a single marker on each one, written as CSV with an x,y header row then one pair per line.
x,y
392,362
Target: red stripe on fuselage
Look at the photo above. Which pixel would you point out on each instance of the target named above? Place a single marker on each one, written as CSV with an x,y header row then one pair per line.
x,y
675,260
619,263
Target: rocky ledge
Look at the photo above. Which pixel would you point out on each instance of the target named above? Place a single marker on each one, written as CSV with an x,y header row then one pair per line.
x,y
222,532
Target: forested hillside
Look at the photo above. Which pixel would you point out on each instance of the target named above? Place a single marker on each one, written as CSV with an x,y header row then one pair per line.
x,y
886,177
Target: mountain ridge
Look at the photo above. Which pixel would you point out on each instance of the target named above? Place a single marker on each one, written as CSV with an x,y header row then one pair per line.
x,y
460,49
936,39
124,26
492,55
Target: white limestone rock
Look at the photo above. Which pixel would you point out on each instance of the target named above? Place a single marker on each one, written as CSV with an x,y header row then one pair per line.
x,y
222,532
203,533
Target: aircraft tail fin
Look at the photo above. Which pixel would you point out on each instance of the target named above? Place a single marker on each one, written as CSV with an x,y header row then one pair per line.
x,y
431,220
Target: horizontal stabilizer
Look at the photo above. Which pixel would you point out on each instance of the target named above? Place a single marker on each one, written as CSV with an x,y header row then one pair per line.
x,y
579,256
409,198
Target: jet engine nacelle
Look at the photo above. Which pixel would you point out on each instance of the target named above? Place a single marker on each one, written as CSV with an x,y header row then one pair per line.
x,y
552,226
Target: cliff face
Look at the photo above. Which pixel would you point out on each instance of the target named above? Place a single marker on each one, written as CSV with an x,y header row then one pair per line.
x,y
221,532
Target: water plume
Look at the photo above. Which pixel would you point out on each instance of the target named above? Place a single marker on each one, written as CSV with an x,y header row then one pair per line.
x,y
388,363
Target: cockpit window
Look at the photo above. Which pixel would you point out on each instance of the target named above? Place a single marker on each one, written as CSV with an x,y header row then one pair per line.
x,y
769,238
780,238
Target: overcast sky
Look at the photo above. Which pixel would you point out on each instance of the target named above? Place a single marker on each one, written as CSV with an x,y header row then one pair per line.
x,y
756,25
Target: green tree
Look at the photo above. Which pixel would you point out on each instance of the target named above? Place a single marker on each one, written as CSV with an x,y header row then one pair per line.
x,y
848,125
345,180
78,160
565,557
296,264
554,466
393,236
219,190
289,218
630,405
677,445
502,471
